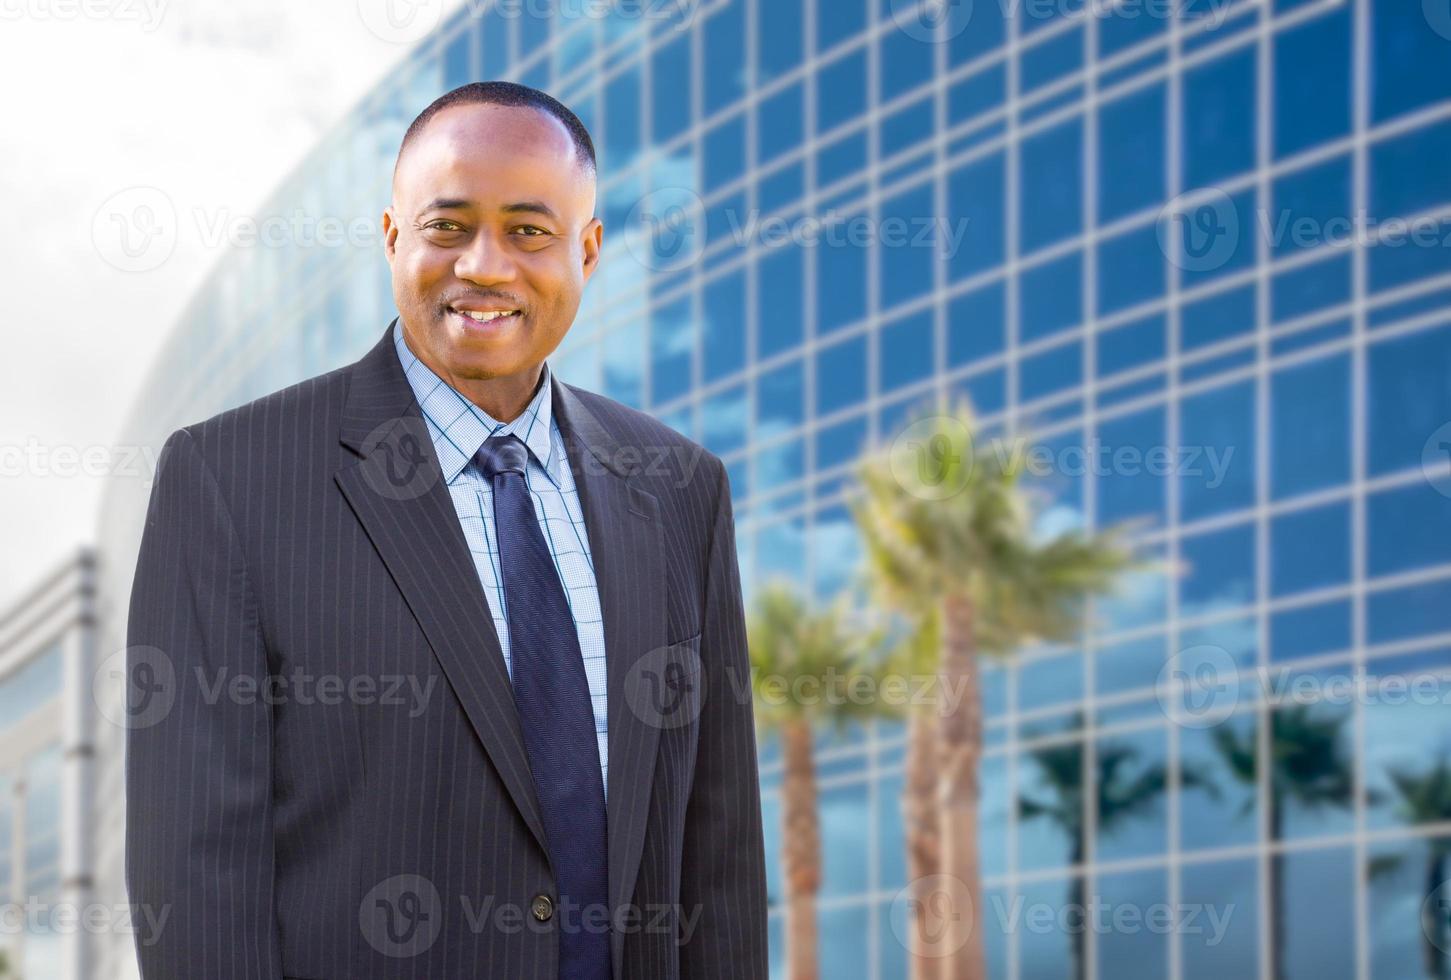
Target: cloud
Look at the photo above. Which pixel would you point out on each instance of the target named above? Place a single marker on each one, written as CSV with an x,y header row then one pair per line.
x,y
210,104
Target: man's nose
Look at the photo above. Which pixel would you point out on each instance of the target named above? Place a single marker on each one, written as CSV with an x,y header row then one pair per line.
x,y
486,260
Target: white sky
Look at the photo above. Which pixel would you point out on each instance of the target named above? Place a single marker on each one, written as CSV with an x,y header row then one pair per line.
x,y
213,103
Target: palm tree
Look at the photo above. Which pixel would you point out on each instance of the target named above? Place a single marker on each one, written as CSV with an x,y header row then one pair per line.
x,y
793,647
916,657
6,972
1426,798
1121,795
949,532
1308,768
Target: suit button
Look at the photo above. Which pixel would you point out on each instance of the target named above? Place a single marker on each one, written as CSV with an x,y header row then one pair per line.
x,y
542,907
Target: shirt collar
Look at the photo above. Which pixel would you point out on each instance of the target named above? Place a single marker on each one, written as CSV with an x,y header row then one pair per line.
x,y
459,427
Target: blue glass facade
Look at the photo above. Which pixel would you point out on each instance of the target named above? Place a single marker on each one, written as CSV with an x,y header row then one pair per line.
x,y
1142,230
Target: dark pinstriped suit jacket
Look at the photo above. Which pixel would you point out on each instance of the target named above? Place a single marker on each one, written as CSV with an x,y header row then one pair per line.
x,y
325,774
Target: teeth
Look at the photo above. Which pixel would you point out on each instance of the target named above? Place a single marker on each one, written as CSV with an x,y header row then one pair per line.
x,y
486,317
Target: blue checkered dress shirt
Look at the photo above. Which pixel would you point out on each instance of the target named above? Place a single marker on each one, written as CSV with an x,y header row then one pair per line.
x,y
459,428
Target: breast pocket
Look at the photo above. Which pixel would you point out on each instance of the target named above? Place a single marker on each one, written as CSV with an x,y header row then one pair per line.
x,y
665,687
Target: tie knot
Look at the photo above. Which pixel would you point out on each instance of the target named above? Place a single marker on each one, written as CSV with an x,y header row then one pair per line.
x,y
502,454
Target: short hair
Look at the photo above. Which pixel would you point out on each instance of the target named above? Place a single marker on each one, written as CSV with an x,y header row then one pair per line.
x,y
505,94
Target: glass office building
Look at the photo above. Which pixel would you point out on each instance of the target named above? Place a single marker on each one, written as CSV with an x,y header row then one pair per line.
x,y
46,728
1201,250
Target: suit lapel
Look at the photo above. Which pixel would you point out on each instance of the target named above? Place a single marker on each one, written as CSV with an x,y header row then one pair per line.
x,y
398,494
626,537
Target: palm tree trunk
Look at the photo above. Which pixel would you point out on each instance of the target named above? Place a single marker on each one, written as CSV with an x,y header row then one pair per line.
x,y
800,848
961,733
923,832
1077,901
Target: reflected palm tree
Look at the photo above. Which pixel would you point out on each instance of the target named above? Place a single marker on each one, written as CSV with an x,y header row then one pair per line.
x,y
803,663
1425,798
1309,768
1121,795
949,533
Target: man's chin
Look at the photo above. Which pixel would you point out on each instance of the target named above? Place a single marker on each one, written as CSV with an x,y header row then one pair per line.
x,y
481,361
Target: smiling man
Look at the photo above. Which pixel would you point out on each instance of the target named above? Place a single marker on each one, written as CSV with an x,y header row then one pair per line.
x,y
576,795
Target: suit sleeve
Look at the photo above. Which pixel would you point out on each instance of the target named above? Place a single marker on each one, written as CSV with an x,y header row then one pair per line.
x,y
199,844
723,870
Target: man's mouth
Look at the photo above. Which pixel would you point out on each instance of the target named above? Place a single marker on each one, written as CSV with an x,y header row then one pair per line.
x,y
491,317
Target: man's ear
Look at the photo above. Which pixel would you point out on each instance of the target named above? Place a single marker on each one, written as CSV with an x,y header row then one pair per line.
x,y
390,235
591,238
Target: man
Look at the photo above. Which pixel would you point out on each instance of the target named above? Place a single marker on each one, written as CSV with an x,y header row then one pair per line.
x,y
437,663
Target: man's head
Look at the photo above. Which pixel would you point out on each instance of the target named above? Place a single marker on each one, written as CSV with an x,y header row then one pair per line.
x,y
493,209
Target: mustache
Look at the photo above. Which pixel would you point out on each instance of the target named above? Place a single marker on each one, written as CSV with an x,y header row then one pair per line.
x,y
479,299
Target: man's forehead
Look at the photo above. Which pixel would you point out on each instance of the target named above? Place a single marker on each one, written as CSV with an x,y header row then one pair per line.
x,y
518,128
478,152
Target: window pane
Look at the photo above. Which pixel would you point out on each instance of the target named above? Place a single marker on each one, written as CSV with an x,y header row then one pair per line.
x,y
724,316
1133,489
1408,529
1312,85
724,35
1223,939
1131,270
1050,191
907,254
1131,153
1050,786
780,311
975,193
1408,57
670,92
1310,549
1050,297
1219,771
1217,451
780,394
1219,119
1409,398
1133,952
1310,419
905,352
975,325
673,333
1132,774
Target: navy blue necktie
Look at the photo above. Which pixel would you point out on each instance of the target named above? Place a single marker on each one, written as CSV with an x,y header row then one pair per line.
x,y
551,695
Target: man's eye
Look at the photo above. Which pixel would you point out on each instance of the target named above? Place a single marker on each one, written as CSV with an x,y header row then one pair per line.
x,y
533,228
439,226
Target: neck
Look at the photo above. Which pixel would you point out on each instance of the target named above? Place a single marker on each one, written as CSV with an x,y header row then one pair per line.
x,y
503,397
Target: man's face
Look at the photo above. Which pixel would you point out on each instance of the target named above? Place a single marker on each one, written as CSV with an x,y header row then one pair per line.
x,y
491,211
